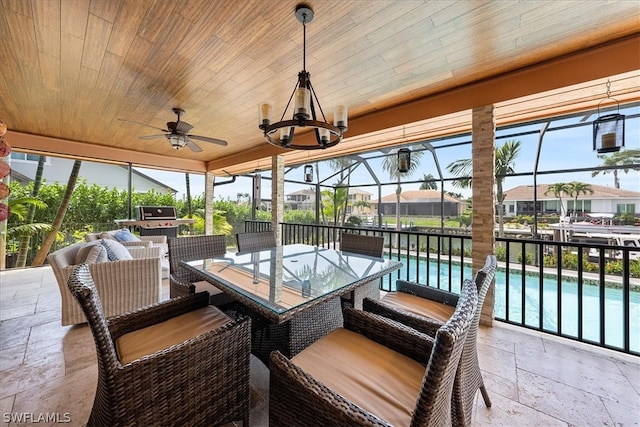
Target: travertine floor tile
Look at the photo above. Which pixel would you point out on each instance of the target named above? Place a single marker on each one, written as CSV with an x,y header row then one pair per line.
x,y
498,362
25,376
15,312
71,395
600,377
500,385
572,405
631,370
6,405
510,413
11,357
623,415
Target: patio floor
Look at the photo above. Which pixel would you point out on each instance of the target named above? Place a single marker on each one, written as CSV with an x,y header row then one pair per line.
x,y
533,379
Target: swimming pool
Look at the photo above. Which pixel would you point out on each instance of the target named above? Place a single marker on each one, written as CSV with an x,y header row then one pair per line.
x,y
569,321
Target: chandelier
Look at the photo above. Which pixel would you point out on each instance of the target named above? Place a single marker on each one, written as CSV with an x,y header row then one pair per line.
x,y
304,110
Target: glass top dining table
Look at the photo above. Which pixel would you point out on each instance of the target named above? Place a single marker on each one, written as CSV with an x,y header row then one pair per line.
x,y
283,281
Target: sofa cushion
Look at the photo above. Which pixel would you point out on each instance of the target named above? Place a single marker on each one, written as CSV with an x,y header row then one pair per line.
x,y
176,330
91,254
125,235
115,250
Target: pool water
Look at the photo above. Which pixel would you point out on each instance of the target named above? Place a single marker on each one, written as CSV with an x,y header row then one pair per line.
x,y
569,321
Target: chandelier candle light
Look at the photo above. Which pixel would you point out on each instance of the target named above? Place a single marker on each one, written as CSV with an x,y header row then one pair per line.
x,y
304,111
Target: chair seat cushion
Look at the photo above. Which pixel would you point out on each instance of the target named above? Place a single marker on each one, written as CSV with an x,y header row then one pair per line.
x,y
420,306
374,377
154,338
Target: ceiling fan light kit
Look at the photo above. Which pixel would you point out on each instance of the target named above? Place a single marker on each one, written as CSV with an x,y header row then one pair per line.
x,y
304,110
177,133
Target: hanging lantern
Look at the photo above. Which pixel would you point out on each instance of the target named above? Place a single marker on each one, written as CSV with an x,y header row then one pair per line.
x,y
308,173
608,130
404,160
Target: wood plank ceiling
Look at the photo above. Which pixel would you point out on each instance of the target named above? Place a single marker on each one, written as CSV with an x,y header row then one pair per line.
x,y
71,68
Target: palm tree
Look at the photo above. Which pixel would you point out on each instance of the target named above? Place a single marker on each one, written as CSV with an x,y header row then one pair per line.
x,y
628,158
25,239
57,221
20,208
341,164
504,165
187,182
558,189
333,202
390,165
428,182
575,189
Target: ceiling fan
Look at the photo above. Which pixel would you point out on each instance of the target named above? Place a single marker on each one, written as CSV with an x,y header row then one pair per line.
x,y
177,133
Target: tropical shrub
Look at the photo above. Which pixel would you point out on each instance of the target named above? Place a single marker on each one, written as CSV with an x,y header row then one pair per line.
x,y
501,253
297,216
528,258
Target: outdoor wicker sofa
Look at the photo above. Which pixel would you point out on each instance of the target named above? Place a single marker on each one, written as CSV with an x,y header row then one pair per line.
x,y
426,309
180,362
338,380
136,242
123,285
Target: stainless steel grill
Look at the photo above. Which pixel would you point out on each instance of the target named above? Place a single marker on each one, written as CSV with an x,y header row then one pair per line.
x,y
156,220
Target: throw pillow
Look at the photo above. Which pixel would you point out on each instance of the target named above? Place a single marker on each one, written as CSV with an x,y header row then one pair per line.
x,y
115,250
106,235
91,254
125,235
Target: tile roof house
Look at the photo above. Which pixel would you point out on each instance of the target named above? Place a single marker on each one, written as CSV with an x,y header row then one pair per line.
x,y
306,200
420,202
520,201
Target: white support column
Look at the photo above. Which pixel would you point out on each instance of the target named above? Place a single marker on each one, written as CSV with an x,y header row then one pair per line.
x,y
209,179
483,195
277,196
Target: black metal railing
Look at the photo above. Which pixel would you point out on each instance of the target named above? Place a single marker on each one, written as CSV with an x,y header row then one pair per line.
x,y
587,292
252,226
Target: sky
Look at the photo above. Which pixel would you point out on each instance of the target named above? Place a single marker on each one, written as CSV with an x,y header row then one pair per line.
x,y
568,148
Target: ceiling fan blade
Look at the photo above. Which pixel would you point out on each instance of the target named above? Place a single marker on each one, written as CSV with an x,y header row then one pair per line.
x,y
207,139
192,145
152,136
143,124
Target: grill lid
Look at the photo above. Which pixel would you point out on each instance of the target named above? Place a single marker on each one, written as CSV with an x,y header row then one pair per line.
x,y
157,212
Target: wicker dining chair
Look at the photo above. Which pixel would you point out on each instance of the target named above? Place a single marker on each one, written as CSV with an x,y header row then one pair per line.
x,y
177,362
194,248
426,310
363,245
252,242
372,372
